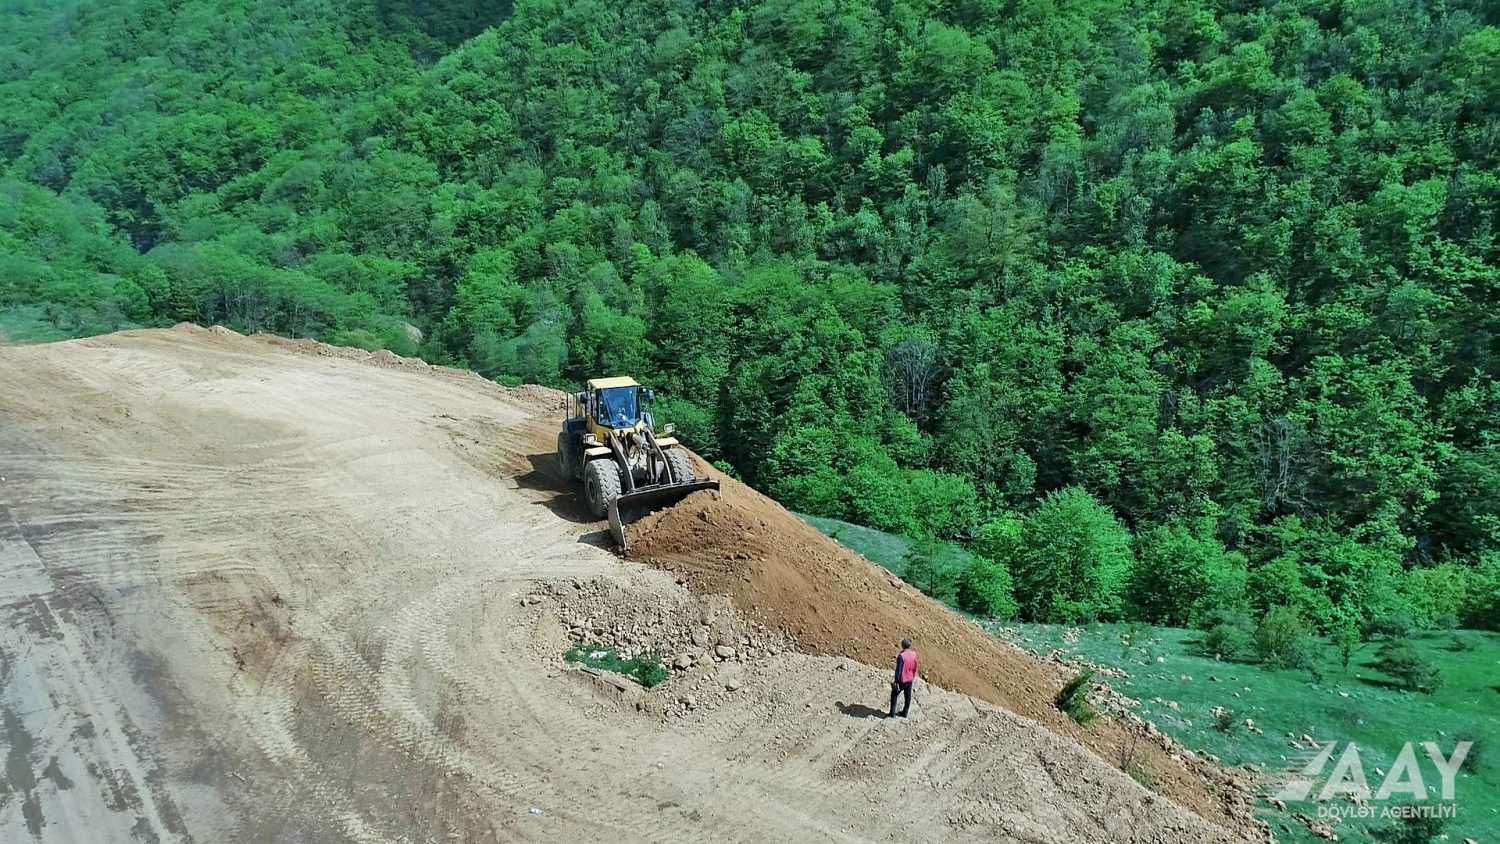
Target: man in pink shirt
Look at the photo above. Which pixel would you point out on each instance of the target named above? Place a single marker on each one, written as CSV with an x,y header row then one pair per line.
x,y
906,674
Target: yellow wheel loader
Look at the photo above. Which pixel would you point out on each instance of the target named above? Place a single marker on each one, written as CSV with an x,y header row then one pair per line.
x,y
609,442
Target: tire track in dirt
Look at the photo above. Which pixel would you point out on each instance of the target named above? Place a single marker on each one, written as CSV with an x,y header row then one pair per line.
x,y
267,720
56,668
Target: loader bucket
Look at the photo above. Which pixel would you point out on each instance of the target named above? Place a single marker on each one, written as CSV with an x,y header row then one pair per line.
x,y
634,506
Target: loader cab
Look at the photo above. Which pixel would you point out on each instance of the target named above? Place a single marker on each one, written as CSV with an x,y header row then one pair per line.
x,y
618,407
612,404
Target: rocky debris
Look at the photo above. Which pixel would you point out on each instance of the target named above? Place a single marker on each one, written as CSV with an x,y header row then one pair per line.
x,y
694,635
1303,742
1317,828
1073,664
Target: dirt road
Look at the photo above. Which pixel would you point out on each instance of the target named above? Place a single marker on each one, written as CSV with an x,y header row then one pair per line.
x,y
257,590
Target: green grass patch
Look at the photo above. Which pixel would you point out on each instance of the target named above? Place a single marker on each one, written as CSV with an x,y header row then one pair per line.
x,y
1361,705
886,549
934,567
648,669
34,324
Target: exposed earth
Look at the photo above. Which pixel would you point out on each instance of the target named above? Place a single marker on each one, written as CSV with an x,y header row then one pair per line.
x,y
258,589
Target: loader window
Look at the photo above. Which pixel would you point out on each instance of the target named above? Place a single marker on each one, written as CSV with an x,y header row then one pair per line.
x,y
618,407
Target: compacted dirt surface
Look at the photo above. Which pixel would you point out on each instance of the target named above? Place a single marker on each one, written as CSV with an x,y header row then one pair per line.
x,y
832,601
257,589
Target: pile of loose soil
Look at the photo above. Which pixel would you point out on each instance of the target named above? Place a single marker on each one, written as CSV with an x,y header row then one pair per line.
x,y
790,577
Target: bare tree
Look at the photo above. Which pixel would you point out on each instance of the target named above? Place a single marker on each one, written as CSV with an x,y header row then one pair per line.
x,y
1278,446
912,370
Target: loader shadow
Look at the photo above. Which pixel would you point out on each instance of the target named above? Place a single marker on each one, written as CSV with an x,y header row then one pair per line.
x,y
859,710
566,501
598,539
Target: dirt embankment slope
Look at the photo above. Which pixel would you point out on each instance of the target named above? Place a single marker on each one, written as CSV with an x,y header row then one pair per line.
x,y
262,589
835,602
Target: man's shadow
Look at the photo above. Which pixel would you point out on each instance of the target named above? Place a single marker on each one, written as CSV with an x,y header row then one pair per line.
x,y
859,710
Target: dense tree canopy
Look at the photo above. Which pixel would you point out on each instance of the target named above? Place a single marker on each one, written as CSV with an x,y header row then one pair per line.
x,y
920,264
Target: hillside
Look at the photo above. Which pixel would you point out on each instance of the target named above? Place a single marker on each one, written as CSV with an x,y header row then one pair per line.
x,y
1223,271
264,589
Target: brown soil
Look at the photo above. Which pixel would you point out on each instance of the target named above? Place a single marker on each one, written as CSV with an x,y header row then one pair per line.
x,y
837,603
259,589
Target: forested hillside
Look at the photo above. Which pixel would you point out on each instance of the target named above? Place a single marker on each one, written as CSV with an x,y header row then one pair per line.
x,y
1165,307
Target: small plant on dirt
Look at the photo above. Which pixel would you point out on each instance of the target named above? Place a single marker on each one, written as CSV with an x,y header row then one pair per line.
x,y
1142,773
1408,667
1134,764
1074,699
646,669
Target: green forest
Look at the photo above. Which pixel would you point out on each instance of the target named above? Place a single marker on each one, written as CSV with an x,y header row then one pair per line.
x,y
1178,311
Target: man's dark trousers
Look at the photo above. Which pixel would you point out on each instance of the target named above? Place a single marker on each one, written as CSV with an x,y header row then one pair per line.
x,y
898,689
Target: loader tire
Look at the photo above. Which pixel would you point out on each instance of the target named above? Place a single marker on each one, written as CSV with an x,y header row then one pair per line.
x,y
682,467
601,485
565,462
